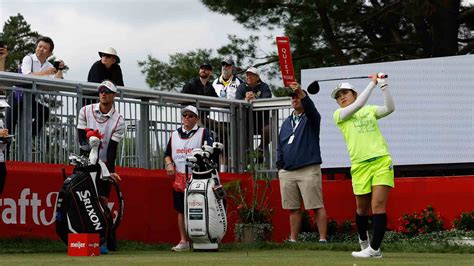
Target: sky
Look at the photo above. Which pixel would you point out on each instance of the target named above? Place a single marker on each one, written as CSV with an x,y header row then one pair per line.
x,y
135,29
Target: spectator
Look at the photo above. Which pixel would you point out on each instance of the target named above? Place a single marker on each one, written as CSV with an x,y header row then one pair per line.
x,y
3,57
4,136
35,64
104,117
299,163
372,168
181,143
201,86
107,68
255,88
226,85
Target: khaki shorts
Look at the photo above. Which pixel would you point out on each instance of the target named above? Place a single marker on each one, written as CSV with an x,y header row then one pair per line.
x,y
303,183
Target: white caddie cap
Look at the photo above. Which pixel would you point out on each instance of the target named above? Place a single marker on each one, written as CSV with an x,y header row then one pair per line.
x,y
340,87
191,109
107,84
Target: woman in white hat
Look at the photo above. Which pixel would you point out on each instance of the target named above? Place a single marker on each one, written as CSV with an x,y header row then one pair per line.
x,y
107,68
372,169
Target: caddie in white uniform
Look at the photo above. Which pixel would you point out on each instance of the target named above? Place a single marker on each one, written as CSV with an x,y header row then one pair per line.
x,y
104,117
181,144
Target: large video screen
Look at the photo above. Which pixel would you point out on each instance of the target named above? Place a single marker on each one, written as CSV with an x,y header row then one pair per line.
x,y
433,122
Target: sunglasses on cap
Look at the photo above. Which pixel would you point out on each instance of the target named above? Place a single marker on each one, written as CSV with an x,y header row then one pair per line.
x,y
105,90
189,115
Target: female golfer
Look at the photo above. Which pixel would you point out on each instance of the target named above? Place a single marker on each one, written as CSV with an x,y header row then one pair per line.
x,y
371,170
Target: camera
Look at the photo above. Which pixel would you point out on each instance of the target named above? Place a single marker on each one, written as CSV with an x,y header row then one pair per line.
x,y
56,64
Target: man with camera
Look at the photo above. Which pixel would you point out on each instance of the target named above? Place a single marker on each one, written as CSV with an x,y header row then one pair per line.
x,y
181,144
298,161
37,65
4,136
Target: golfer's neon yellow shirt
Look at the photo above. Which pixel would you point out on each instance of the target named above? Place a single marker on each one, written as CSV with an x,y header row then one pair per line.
x,y
362,134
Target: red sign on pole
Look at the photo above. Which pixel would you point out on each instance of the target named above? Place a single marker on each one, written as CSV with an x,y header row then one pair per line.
x,y
286,63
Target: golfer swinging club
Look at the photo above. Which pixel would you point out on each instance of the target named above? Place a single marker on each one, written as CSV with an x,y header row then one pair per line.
x,y
372,170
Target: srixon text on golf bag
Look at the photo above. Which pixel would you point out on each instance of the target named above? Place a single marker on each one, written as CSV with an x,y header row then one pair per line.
x,y
78,207
205,214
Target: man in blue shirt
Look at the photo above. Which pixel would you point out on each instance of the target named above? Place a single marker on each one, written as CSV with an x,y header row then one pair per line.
x,y
298,161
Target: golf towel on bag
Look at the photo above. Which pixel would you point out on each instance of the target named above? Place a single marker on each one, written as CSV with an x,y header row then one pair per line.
x,y
79,209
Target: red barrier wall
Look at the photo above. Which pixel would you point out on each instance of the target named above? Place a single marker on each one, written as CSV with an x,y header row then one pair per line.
x,y
27,205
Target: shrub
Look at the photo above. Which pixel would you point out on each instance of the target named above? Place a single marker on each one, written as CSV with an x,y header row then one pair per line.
x,y
465,221
426,221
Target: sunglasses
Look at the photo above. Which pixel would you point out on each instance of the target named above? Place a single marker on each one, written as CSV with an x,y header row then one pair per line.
x,y
225,64
106,55
188,115
106,91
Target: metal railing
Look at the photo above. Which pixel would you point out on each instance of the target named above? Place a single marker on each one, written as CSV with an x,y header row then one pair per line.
x,y
43,119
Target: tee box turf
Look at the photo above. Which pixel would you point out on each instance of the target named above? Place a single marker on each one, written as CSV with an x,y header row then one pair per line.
x,y
83,245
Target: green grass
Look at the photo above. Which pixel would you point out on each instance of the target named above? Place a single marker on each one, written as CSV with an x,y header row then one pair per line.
x,y
280,256
48,252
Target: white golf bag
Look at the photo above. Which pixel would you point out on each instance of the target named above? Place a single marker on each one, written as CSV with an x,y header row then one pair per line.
x,y
205,214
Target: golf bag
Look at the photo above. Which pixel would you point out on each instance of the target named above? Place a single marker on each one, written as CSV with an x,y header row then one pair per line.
x,y
78,208
205,214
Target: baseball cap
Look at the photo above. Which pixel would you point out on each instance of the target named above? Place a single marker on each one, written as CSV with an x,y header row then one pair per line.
x,y
206,65
253,70
107,84
110,51
191,109
340,87
228,60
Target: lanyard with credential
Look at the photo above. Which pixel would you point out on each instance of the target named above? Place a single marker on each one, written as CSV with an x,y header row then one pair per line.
x,y
295,125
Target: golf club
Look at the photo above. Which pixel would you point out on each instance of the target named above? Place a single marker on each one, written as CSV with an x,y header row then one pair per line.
x,y
313,88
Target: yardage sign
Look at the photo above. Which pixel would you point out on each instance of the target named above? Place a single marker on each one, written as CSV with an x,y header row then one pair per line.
x,y
286,63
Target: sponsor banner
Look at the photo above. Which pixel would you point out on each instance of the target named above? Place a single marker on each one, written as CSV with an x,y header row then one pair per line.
x,y
28,202
286,63
83,245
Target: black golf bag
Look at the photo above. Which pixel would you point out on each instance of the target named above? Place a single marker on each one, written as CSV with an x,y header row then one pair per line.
x,y
78,208
205,214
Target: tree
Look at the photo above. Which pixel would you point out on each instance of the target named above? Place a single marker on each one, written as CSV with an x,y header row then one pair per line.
x,y
182,67
328,33
20,40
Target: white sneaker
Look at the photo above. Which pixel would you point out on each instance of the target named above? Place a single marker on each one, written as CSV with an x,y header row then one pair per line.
x,y
182,246
367,253
364,243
